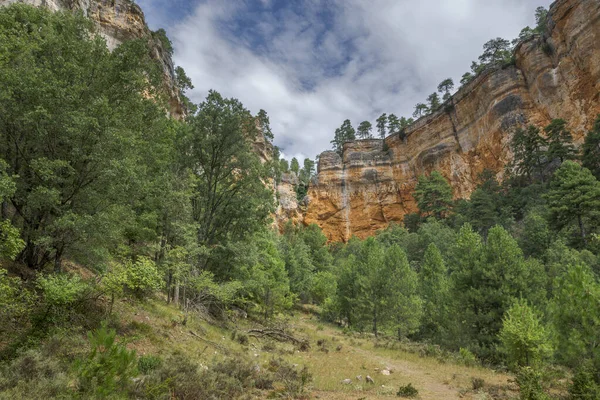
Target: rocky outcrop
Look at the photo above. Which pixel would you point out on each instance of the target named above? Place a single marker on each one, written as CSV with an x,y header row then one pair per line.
x,y
118,21
556,76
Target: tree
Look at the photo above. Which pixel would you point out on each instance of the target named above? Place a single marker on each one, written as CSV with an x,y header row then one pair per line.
x,y
525,34
435,293
576,316
230,200
574,196
529,150
486,280
560,142
420,110
364,130
264,125
405,123
496,51
295,165
445,87
85,136
284,165
466,78
433,195
525,339
381,125
541,20
487,206
591,149
393,124
434,102
343,134
307,171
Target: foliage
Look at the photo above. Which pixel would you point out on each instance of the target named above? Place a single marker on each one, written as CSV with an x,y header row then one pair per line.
x,y
591,149
393,123
445,87
574,196
575,315
560,141
230,200
147,364
530,386
162,37
61,290
524,338
80,127
295,165
585,382
343,134
407,391
420,110
264,125
433,195
434,102
364,130
382,125
435,293
108,368
528,147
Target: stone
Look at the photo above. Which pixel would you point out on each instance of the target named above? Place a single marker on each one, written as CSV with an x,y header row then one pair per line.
x,y
347,382
370,380
385,372
359,377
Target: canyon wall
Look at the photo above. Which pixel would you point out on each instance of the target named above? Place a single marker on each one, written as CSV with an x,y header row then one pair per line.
x,y
555,76
118,21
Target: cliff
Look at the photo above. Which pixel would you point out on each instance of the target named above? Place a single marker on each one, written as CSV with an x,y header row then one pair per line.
x,y
118,21
555,76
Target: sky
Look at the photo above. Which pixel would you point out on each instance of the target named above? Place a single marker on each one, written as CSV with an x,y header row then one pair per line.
x,y
311,64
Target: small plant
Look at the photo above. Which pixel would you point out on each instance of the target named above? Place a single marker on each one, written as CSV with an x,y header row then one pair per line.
x,y
320,327
407,391
108,368
149,363
529,381
467,358
477,383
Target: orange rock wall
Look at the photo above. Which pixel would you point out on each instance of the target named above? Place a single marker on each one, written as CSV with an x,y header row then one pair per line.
x,y
557,76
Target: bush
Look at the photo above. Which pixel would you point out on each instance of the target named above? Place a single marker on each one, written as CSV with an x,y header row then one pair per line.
x,y
477,383
529,381
407,391
467,358
148,364
584,386
62,290
15,303
108,368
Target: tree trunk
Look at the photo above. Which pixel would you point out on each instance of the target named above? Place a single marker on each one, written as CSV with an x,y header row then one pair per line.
x,y
176,293
582,229
58,259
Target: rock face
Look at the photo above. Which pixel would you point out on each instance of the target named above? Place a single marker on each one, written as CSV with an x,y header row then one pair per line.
x,y
556,76
118,21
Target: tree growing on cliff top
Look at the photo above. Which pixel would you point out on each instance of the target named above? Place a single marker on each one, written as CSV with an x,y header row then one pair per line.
x,y
265,125
433,195
295,165
420,110
381,125
343,134
393,123
496,51
364,130
434,102
445,87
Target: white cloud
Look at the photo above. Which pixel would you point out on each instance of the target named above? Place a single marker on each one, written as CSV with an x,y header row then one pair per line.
x,y
392,53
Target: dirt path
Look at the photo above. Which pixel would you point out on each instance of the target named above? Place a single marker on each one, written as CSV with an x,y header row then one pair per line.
x,y
342,357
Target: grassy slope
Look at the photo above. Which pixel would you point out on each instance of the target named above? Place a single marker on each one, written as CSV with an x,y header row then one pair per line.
x,y
156,328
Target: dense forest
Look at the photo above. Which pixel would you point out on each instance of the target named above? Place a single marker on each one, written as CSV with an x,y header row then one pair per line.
x,y
107,200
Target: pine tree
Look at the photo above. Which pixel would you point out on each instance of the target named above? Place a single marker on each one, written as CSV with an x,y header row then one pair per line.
x,y
295,165
420,110
433,195
529,150
364,130
445,87
434,291
574,196
560,142
343,134
591,149
381,125
393,123
434,102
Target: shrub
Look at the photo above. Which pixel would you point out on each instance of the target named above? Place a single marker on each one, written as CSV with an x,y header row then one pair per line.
x,y
467,358
61,290
108,368
529,381
584,385
15,303
477,383
407,391
149,363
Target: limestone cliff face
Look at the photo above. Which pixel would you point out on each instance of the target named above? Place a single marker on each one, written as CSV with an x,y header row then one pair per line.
x,y
118,21
557,76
